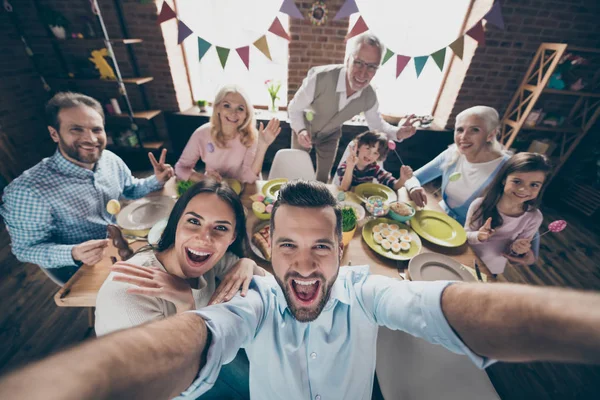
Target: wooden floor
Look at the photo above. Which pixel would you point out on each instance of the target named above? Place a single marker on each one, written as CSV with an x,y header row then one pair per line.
x,y
31,326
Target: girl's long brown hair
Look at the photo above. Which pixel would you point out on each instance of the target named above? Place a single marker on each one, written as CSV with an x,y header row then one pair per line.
x,y
520,162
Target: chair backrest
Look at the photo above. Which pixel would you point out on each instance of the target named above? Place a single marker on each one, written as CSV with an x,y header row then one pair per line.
x,y
292,164
52,277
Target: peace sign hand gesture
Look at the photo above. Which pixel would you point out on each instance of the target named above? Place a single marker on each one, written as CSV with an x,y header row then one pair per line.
x,y
267,135
352,158
486,231
162,171
407,129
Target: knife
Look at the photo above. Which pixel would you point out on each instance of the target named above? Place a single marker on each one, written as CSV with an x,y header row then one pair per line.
x,y
477,271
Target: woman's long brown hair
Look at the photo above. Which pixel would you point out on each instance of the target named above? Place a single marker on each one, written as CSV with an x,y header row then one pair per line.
x,y
520,162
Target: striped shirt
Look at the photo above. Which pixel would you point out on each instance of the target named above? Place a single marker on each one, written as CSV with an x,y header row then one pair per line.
x,y
371,171
57,204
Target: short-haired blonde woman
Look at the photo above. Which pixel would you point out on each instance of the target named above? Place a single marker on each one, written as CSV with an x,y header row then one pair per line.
x,y
476,155
228,144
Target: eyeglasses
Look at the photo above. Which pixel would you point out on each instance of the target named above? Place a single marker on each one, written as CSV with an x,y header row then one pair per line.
x,y
371,68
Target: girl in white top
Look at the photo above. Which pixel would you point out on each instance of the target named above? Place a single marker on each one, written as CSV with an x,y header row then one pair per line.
x,y
501,225
475,158
202,242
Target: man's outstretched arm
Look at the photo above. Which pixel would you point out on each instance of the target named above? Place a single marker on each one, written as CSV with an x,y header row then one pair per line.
x,y
524,323
153,361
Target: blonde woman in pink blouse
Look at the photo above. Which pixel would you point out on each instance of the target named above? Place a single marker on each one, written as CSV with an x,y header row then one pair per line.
x,y
228,144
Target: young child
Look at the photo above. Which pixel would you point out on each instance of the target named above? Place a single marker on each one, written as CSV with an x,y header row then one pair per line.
x,y
229,144
361,165
501,225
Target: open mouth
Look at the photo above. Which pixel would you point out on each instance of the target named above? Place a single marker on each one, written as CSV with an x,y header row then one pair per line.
x,y
196,257
306,291
233,121
89,148
465,145
366,160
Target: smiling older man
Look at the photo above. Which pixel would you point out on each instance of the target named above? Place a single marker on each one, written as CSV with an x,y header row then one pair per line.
x,y
335,94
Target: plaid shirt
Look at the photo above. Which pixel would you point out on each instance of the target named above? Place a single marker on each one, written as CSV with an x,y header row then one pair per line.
x,y
56,204
371,171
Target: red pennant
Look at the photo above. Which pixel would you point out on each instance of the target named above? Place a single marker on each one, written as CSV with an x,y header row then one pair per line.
x,y
277,29
244,53
183,33
477,33
359,27
401,62
166,13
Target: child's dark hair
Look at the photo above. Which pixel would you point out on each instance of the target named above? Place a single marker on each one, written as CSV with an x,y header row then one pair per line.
x,y
520,162
371,139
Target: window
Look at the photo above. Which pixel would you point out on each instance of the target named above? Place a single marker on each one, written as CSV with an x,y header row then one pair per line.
x,y
411,29
233,24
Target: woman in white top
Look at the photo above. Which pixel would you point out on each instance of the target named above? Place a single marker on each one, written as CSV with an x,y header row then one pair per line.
x,y
473,160
203,242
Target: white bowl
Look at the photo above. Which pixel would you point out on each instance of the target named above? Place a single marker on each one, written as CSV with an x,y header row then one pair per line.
x,y
360,211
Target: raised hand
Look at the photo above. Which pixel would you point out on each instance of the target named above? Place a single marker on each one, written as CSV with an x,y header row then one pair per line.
x,y
90,252
154,282
267,135
486,231
304,139
352,158
406,173
238,277
162,171
407,129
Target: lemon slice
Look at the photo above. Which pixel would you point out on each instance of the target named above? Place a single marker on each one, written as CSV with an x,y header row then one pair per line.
x,y
113,207
258,207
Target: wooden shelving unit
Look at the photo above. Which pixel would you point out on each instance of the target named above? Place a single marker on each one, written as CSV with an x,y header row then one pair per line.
x,y
581,118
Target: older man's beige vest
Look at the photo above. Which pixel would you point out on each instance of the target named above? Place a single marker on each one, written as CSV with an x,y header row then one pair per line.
x,y
327,119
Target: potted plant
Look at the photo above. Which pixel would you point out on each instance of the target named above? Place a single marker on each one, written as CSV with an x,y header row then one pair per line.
x,y
56,21
349,223
202,105
273,88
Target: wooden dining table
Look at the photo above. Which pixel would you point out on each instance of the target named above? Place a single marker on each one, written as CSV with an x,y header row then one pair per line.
x,y
81,290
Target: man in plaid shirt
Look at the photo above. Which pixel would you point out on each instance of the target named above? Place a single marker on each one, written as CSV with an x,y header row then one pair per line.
x,y
55,212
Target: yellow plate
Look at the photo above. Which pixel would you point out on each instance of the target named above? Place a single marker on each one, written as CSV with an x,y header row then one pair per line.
x,y
367,190
271,188
415,245
234,184
438,228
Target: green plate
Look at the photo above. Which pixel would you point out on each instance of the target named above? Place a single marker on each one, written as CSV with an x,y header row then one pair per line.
x,y
367,190
271,188
234,184
367,234
438,228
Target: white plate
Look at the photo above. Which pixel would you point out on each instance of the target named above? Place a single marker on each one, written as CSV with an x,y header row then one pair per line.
x,y
156,231
145,213
360,211
437,267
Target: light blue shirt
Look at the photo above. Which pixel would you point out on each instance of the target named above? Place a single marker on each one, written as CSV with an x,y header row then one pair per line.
x,y
332,357
57,204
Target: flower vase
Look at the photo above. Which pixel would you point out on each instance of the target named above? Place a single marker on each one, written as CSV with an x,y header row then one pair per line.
x,y
273,107
59,32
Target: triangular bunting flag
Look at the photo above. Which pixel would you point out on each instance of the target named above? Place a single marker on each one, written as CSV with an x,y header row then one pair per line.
x,y
439,57
458,46
401,62
420,64
184,31
203,47
494,16
477,33
166,13
359,27
223,54
277,29
263,46
244,53
289,7
388,55
349,7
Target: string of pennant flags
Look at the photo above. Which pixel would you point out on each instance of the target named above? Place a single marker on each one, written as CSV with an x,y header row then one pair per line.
x,y
288,7
493,16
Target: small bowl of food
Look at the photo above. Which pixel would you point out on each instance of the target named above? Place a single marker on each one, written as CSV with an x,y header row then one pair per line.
x,y
377,206
401,212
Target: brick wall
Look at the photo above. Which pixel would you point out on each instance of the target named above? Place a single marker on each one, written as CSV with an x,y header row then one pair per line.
x,y
497,69
312,45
